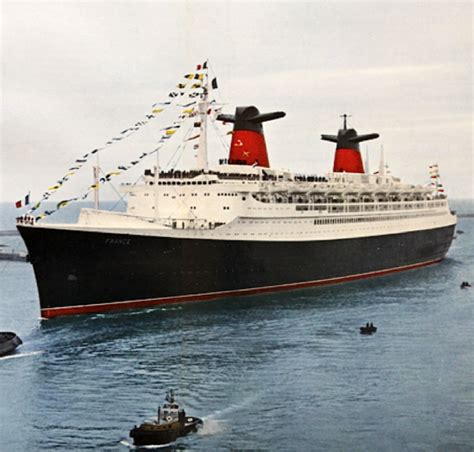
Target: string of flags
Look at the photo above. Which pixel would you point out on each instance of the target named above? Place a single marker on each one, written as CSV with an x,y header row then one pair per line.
x,y
434,171
191,91
435,179
167,133
188,89
80,162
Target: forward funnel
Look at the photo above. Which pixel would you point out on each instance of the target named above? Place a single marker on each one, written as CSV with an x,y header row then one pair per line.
x,y
248,141
347,158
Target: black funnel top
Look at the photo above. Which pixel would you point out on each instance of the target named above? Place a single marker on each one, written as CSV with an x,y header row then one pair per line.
x,y
249,118
348,138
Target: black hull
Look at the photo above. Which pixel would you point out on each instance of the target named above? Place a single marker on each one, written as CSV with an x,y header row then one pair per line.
x,y
80,271
145,437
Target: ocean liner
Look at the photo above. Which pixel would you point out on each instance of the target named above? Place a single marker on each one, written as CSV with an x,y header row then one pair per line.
x,y
240,227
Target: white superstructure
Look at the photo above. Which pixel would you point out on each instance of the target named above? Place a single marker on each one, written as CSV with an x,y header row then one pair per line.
x,y
239,202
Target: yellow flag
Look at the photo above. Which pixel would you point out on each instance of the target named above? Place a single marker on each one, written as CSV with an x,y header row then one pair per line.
x,y
170,132
188,111
189,76
157,110
113,173
94,186
54,187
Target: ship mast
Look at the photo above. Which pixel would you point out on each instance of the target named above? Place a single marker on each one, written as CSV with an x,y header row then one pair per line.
x,y
203,106
382,162
96,171
367,169
157,177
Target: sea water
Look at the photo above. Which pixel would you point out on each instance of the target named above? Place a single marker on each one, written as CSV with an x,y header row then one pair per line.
x,y
285,371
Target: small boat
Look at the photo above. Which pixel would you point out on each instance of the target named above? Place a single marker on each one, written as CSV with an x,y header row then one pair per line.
x,y
7,254
368,329
8,342
170,424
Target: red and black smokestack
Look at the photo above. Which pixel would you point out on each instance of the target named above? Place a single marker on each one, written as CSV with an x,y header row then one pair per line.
x,y
347,158
248,141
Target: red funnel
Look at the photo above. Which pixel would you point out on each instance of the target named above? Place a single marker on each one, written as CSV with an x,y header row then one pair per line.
x,y
347,158
248,148
248,141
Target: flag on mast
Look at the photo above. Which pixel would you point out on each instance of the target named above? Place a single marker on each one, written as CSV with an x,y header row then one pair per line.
x,y
20,203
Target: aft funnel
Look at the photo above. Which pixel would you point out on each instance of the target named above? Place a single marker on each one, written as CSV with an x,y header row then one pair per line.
x,y
347,158
248,141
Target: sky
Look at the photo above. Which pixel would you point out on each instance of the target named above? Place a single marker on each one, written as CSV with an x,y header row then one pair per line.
x,y
74,74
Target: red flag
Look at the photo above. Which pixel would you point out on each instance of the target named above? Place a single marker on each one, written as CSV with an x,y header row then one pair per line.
x,y
198,67
18,204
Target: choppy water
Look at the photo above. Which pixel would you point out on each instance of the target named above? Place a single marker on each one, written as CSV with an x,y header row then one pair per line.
x,y
276,372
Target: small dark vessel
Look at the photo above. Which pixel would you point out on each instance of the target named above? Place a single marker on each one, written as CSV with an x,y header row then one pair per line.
x,y
8,342
465,284
7,254
170,424
368,329
460,232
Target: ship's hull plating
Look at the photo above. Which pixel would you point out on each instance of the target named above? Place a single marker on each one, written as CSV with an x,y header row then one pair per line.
x,y
85,272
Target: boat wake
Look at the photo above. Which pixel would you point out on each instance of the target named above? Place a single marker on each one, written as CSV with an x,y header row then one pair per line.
x,y
211,427
21,355
215,422
233,407
128,444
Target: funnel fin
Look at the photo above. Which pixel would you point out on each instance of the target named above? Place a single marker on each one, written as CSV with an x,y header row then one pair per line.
x,y
248,141
366,137
347,157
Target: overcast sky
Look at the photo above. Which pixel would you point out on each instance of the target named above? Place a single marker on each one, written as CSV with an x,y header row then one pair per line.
x,y
74,74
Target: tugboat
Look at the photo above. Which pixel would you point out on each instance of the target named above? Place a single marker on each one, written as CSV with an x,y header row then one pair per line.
x,y
8,342
368,329
170,424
